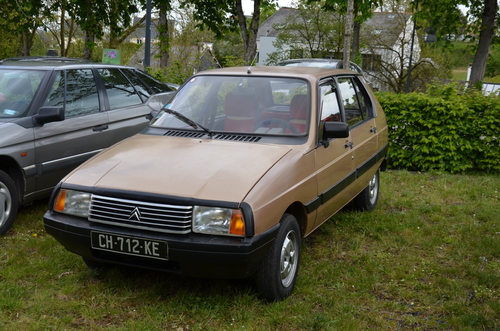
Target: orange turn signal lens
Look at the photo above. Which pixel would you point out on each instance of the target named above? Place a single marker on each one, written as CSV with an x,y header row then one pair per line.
x,y
237,226
60,201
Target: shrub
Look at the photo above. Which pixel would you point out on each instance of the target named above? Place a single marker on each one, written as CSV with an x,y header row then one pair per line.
x,y
444,130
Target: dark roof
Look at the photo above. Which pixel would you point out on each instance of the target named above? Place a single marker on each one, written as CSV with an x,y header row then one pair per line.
x,y
280,17
44,59
386,25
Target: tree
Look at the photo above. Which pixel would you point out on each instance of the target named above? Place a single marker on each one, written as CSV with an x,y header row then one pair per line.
x,y
95,17
390,52
61,26
223,16
22,17
362,10
483,17
164,7
311,32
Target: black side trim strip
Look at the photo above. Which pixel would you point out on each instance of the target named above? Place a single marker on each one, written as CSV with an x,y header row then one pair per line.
x,y
314,204
337,188
348,180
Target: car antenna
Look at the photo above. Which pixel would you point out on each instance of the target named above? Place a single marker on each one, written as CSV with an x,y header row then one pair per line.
x,y
249,70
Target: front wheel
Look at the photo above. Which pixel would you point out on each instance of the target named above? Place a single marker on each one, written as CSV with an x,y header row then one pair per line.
x,y
278,272
368,198
9,202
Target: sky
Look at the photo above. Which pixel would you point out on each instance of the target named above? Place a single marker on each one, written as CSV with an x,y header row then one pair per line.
x,y
248,5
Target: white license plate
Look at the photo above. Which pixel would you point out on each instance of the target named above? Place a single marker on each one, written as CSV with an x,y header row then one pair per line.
x,y
129,245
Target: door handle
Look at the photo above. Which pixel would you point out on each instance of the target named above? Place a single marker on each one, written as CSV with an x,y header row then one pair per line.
x,y
100,128
350,145
373,130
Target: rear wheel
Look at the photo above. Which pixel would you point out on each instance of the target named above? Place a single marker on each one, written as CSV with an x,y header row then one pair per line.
x,y
9,202
367,199
277,274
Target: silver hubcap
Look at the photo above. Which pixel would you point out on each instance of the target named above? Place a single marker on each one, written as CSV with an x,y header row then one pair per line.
x,y
289,258
5,204
373,188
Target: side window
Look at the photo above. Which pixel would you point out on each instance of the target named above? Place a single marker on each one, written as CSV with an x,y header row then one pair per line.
x,y
81,93
138,84
329,105
364,101
154,84
120,92
355,111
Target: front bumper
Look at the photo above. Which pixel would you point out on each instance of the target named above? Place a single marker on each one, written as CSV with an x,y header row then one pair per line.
x,y
191,254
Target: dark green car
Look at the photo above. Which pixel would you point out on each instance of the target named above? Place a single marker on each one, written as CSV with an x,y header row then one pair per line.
x,y
56,113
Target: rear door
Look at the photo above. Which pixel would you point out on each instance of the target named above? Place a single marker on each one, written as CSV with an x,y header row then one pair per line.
x,y
126,94
61,146
359,113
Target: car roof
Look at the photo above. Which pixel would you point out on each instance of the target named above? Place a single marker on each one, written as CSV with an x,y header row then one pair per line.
x,y
311,60
310,73
50,62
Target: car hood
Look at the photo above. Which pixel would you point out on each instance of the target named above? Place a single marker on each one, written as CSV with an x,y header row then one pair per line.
x,y
184,167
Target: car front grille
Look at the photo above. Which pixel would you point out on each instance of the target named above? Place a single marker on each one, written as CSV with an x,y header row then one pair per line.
x,y
141,215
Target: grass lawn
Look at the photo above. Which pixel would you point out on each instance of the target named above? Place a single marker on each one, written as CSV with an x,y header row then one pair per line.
x,y
428,258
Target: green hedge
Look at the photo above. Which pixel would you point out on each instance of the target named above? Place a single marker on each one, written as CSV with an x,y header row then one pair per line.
x,y
443,130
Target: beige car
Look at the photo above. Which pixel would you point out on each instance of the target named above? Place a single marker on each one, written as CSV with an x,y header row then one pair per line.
x,y
231,175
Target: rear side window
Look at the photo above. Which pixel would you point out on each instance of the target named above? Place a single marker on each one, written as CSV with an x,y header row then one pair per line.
x,y
354,101
81,93
154,84
120,91
140,87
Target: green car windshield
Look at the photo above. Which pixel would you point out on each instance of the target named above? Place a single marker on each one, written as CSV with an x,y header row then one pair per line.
x,y
17,88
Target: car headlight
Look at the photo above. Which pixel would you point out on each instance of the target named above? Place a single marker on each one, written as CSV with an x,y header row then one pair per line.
x,y
73,202
220,221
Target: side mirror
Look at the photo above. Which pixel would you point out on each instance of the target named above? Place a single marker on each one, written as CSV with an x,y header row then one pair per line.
x,y
335,130
49,114
152,114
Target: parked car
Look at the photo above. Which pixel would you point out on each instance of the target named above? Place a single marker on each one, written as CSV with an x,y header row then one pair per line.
x,y
56,113
229,177
322,63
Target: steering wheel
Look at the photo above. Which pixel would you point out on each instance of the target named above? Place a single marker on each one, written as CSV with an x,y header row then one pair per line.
x,y
280,123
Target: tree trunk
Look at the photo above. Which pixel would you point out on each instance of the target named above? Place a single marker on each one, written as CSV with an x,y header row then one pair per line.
x,y
348,31
62,32
355,34
485,38
26,43
355,40
164,36
87,48
249,36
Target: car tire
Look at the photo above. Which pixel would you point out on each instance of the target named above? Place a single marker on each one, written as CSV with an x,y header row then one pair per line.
x,y
9,202
368,198
278,271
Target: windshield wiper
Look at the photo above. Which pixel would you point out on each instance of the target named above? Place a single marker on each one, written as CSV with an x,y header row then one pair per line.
x,y
188,121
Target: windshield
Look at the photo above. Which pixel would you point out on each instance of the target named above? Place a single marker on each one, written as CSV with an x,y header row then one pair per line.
x,y
17,88
240,104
